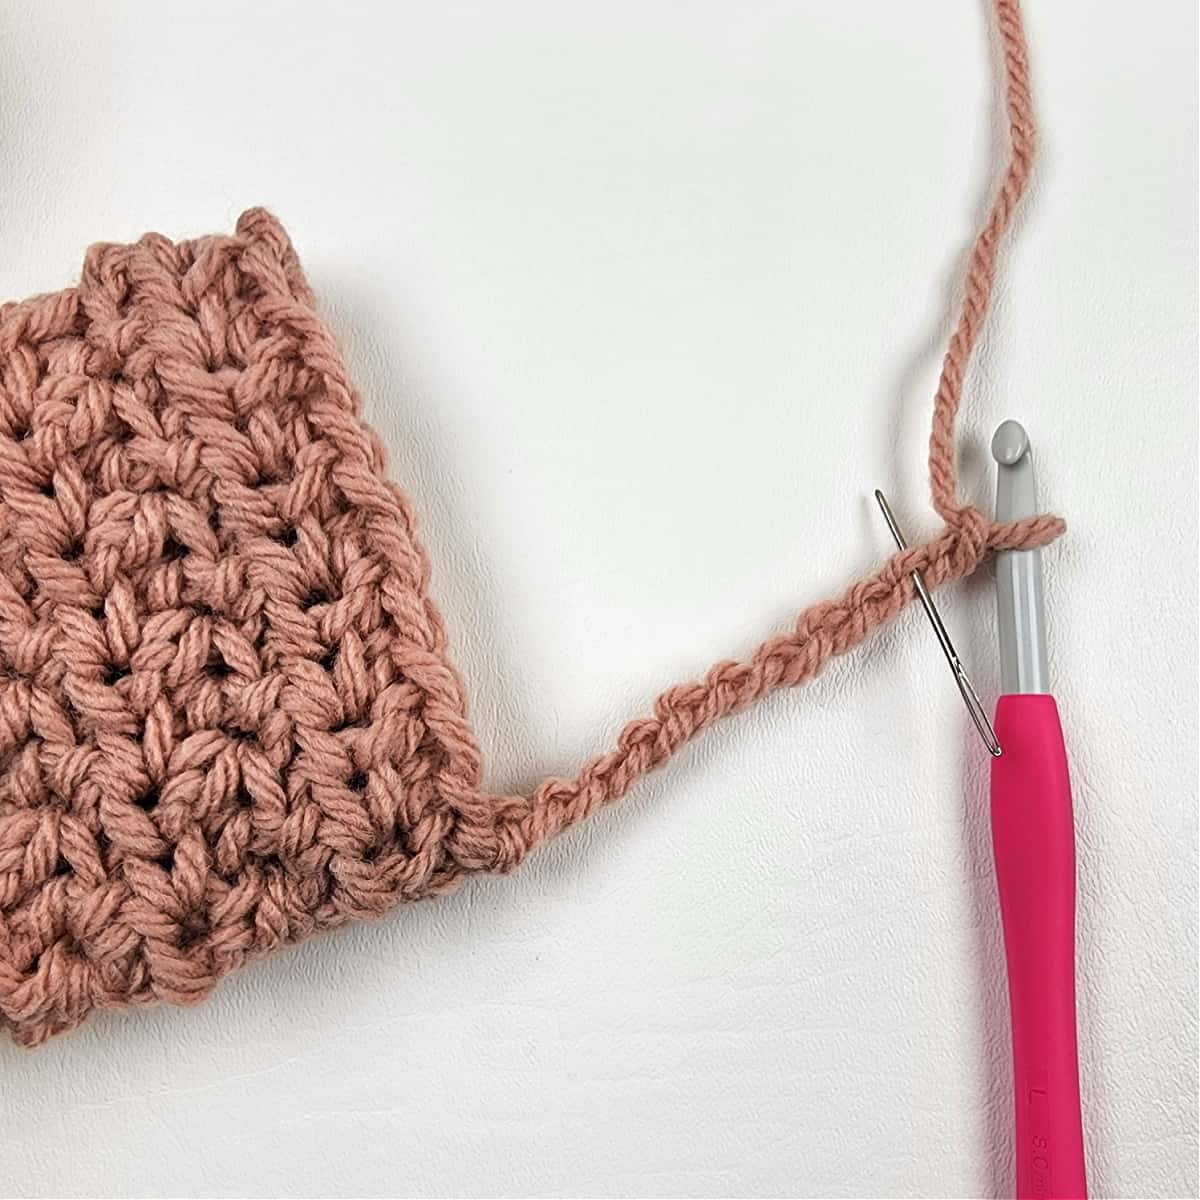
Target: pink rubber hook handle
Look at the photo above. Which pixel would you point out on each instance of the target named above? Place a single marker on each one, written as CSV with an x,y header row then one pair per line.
x,y
1033,839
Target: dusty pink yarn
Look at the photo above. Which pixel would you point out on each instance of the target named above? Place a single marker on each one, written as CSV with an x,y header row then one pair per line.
x,y
227,715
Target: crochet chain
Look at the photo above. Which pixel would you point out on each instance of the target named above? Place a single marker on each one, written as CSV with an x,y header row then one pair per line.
x,y
831,627
228,719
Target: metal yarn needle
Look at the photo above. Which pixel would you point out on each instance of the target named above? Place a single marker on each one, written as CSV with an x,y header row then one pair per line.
x,y
965,687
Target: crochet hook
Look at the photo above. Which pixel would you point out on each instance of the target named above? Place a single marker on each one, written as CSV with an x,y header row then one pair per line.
x,y
1033,842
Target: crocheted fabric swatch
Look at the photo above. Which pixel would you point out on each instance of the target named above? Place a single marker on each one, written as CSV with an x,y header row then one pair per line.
x,y
227,717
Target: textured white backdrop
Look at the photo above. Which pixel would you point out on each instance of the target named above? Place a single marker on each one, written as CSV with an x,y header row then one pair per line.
x,y
645,298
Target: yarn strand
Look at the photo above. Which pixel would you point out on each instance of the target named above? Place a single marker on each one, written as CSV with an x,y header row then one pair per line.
x,y
832,627
981,271
228,716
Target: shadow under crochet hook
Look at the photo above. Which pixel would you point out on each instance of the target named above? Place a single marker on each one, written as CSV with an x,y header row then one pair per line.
x,y
961,678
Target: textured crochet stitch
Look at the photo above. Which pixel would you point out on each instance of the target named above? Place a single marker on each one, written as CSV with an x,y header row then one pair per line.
x,y
227,715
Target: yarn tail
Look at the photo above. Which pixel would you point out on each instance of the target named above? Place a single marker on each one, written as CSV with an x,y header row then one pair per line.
x,y
821,632
831,627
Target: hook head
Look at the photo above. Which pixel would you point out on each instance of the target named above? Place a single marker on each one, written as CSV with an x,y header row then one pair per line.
x,y
1010,443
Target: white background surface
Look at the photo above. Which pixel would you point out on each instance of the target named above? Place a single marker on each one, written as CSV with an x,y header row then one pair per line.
x,y
645,298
